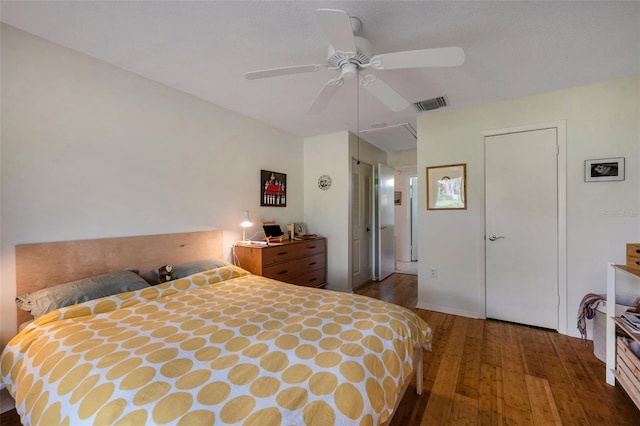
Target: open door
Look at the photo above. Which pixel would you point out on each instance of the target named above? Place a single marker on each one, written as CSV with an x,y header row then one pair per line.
x,y
361,218
385,249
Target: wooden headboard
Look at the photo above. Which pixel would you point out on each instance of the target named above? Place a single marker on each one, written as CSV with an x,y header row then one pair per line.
x,y
47,264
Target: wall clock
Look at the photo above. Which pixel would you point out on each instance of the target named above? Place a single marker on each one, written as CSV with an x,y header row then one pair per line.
x,y
324,182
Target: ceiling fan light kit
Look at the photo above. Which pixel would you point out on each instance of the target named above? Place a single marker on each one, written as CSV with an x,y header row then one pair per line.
x,y
349,54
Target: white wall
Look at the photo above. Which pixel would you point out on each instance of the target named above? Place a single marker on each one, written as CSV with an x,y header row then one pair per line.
x,y
328,213
602,121
91,151
404,158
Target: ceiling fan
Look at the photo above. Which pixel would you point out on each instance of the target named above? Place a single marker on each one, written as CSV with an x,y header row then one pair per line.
x,y
350,54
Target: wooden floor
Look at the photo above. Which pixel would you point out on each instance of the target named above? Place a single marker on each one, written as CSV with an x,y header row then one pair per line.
x,y
484,372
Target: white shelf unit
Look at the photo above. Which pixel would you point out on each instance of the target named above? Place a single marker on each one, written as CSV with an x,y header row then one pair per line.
x,y
612,322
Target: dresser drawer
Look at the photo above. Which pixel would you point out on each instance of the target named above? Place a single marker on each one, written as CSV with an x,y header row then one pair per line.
x,y
288,271
309,248
277,254
309,264
311,279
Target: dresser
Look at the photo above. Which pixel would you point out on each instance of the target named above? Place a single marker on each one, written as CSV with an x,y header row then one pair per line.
x,y
301,262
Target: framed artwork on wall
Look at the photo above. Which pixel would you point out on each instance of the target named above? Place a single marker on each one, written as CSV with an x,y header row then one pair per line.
x,y
397,198
604,170
447,187
273,189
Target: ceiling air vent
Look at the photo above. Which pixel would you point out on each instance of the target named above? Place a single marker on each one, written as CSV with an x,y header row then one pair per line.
x,y
430,104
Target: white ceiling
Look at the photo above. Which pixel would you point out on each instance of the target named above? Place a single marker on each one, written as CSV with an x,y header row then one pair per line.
x,y
512,48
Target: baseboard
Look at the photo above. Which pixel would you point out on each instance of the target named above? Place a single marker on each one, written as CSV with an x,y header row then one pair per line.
x,y
448,310
6,402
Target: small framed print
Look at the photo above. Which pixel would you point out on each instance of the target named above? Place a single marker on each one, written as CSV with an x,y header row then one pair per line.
x,y
397,198
604,170
447,187
273,189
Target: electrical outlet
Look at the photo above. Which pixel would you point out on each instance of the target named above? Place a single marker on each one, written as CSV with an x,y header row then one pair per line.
x,y
434,273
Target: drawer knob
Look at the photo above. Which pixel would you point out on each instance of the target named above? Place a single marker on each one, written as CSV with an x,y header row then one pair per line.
x,y
637,250
282,272
282,253
312,263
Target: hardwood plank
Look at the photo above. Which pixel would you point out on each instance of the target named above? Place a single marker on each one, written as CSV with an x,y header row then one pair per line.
x,y
543,407
440,399
469,377
516,399
490,402
463,408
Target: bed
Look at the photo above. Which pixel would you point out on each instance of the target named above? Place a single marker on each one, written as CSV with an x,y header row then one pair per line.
x,y
220,346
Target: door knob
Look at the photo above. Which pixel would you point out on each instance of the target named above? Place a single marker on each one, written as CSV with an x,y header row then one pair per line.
x,y
493,237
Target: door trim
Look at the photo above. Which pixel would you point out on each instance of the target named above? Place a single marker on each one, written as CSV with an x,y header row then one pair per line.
x,y
561,129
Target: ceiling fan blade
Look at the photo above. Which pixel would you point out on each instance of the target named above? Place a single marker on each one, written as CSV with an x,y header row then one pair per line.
x,y
438,57
385,94
253,75
337,26
325,95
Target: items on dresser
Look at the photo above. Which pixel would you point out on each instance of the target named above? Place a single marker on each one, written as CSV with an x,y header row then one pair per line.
x,y
633,256
301,262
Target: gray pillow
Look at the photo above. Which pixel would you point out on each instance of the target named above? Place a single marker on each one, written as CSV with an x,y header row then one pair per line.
x,y
185,269
43,301
189,268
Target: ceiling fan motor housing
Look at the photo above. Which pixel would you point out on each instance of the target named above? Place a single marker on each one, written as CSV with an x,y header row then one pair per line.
x,y
362,56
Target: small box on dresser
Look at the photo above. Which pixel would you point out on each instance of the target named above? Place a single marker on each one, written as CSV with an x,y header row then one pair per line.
x,y
300,262
633,256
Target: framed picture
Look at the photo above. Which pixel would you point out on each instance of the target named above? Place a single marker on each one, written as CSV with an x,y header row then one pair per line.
x,y
300,229
447,187
273,189
397,198
604,170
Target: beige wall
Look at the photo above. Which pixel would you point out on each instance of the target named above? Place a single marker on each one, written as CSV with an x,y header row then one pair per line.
x,y
90,151
602,121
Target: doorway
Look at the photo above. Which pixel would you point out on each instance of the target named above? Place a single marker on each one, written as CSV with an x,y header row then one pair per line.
x,y
385,222
362,223
525,226
413,217
406,221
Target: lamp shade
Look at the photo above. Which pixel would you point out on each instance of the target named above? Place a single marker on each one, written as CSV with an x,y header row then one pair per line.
x,y
246,220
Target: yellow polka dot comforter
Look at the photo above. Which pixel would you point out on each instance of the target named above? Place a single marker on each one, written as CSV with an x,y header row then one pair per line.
x,y
219,347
